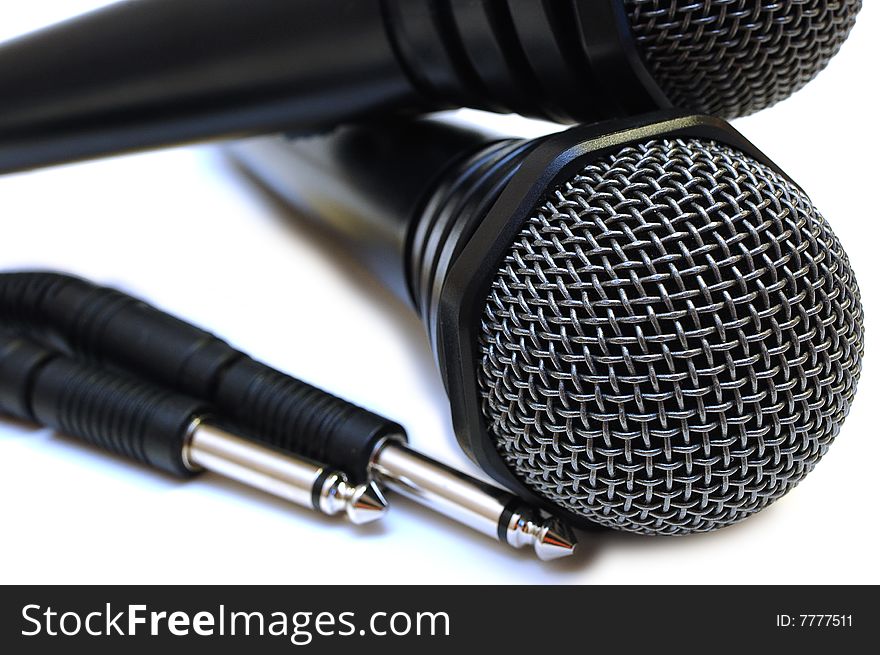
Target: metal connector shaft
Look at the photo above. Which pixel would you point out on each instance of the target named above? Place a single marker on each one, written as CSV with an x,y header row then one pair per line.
x,y
480,506
298,480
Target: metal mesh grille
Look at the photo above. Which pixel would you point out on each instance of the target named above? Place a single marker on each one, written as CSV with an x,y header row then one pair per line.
x,y
672,341
734,57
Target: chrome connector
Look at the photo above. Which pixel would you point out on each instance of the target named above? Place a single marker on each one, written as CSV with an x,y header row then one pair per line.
x,y
296,479
550,538
362,503
480,506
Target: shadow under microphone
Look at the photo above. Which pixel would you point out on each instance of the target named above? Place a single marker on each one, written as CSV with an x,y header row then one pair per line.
x,y
149,73
643,324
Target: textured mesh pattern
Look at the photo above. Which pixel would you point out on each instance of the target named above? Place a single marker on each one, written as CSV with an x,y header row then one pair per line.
x,y
734,57
672,341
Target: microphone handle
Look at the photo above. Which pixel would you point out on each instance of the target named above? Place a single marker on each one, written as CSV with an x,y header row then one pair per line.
x,y
394,193
149,73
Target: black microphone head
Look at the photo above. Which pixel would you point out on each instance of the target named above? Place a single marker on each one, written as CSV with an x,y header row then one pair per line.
x,y
733,57
663,339
643,324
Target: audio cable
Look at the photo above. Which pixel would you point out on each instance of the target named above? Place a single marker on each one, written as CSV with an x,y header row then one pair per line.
x,y
165,430
114,331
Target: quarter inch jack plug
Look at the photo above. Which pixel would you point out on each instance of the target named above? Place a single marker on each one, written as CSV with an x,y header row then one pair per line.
x,y
165,430
114,329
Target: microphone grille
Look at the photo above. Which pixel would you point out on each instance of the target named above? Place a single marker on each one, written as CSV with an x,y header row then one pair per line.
x,y
733,57
672,341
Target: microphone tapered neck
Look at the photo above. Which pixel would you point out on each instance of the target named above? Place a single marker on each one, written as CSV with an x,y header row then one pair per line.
x,y
392,191
448,218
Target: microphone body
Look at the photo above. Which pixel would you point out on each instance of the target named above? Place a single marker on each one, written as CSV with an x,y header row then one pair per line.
x,y
148,73
366,185
642,323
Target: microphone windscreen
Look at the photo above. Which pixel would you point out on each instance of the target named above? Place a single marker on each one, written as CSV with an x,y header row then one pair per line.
x,y
672,341
733,57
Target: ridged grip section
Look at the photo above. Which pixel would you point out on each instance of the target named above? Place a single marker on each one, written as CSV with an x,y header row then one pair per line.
x,y
545,59
118,414
113,328
298,417
450,216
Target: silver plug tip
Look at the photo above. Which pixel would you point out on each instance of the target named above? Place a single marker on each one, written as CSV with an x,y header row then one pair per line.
x,y
281,473
550,538
367,504
362,503
469,501
557,541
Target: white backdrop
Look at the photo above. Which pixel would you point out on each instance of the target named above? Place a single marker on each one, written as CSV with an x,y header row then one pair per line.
x,y
182,229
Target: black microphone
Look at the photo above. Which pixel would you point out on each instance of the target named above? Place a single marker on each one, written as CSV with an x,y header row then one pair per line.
x,y
643,324
147,73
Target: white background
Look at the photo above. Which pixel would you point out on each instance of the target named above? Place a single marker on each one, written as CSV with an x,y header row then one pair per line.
x,y
182,229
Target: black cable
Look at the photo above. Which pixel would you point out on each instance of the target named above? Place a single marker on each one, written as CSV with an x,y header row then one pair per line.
x,y
160,356
114,412
163,429
113,329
